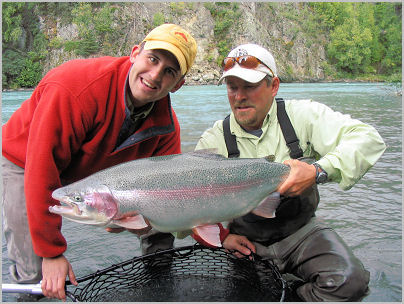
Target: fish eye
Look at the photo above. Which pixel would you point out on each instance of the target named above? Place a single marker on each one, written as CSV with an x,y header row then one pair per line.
x,y
77,198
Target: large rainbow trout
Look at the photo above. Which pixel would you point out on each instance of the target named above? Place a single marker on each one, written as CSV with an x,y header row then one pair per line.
x,y
173,193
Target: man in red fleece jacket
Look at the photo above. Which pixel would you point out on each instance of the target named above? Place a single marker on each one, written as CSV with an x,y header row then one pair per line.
x,y
84,116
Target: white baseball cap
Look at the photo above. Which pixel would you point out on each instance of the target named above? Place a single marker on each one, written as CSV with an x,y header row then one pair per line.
x,y
251,75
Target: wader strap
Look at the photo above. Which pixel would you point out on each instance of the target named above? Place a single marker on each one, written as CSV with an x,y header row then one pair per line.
x,y
230,139
287,129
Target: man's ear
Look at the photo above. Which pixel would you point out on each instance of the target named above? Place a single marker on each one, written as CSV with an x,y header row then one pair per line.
x,y
178,85
275,86
134,53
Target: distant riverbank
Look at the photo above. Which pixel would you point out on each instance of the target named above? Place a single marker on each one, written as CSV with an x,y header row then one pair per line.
x,y
191,83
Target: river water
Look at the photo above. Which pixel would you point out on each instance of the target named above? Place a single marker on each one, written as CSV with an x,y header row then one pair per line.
x,y
368,217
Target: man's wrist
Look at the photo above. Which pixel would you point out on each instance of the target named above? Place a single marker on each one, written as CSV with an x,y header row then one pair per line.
x,y
321,174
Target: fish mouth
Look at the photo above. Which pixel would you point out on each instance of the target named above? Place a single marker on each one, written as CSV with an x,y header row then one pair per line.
x,y
66,207
72,212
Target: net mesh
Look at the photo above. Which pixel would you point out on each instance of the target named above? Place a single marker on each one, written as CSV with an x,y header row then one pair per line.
x,y
191,273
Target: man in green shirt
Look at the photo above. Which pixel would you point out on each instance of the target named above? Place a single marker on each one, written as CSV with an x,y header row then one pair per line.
x,y
343,149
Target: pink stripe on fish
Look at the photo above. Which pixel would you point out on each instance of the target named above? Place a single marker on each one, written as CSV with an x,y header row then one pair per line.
x,y
196,192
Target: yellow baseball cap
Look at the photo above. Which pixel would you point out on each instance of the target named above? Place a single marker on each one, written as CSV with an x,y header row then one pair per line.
x,y
176,40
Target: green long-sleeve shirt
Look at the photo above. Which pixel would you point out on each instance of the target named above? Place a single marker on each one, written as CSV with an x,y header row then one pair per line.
x,y
345,148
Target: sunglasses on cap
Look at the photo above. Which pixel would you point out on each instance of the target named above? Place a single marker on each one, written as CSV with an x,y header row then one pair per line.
x,y
247,62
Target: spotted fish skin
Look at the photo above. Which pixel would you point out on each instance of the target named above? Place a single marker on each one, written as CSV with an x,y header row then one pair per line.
x,y
173,193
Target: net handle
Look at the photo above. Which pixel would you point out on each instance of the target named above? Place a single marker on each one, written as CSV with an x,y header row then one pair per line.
x,y
33,289
22,288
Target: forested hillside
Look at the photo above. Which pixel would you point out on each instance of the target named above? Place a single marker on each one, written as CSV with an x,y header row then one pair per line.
x,y
311,41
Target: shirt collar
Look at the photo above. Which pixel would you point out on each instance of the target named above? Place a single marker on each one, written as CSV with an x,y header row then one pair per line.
x,y
137,113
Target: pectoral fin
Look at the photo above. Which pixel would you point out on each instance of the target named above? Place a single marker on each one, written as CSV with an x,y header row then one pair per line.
x,y
131,222
268,206
208,234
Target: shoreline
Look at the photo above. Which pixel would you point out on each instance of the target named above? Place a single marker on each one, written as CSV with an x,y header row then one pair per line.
x,y
215,83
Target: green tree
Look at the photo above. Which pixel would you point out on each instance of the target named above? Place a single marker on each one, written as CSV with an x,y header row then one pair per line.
x,y
31,72
12,21
158,19
350,45
226,15
24,45
364,37
96,29
389,22
83,17
12,31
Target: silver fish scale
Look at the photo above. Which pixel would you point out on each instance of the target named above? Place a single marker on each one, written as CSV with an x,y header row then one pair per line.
x,y
178,192
185,170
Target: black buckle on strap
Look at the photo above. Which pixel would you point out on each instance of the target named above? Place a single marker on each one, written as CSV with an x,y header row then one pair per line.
x,y
295,150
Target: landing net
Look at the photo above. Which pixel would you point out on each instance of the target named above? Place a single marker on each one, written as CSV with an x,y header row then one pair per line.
x,y
184,274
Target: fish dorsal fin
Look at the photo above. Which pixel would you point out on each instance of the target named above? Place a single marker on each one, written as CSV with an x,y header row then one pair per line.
x,y
209,234
207,153
268,206
270,158
131,222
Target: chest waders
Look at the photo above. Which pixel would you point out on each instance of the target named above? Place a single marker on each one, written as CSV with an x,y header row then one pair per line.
x,y
293,212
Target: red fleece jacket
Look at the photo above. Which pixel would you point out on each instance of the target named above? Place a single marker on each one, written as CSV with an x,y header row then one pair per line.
x,y
68,130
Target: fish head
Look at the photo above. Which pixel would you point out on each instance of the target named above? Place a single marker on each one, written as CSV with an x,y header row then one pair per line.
x,y
93,205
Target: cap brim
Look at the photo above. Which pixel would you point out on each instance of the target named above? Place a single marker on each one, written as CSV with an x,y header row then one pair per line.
x,y
162,45
248,75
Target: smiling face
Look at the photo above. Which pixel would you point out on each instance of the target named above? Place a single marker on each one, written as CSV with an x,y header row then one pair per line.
x,y
153,75
250,102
